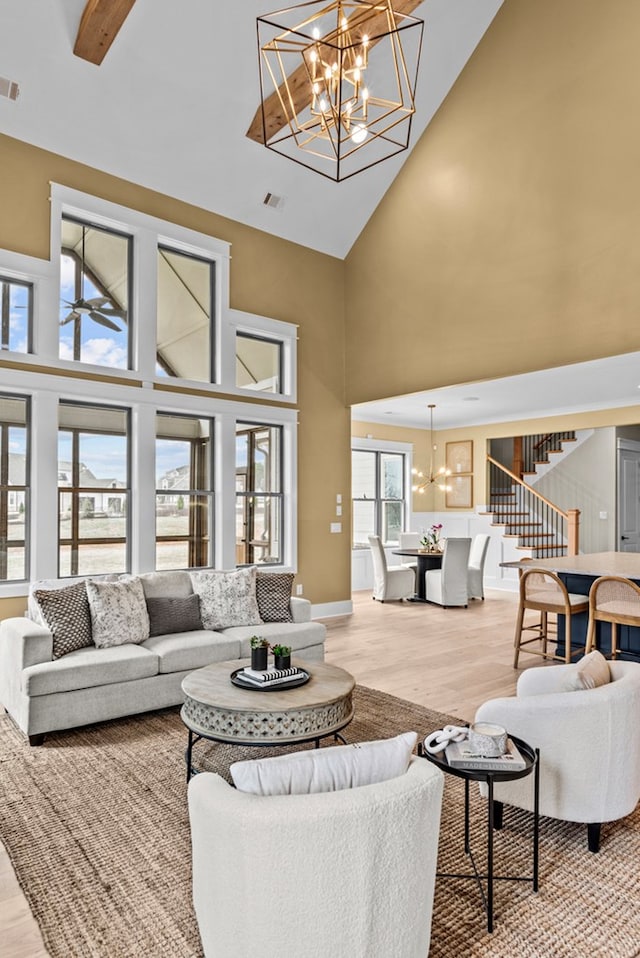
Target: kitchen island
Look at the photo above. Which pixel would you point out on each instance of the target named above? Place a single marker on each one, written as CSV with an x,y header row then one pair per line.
x,y
578,573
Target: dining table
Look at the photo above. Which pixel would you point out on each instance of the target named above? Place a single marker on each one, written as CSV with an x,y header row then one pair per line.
x,y
425,560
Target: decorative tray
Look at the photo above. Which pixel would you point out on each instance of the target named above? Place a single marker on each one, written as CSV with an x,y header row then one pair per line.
x,y
296,681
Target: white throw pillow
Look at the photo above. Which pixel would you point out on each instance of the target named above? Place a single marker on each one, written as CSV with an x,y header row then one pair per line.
x,y
227,598
326,769
118,612
591,671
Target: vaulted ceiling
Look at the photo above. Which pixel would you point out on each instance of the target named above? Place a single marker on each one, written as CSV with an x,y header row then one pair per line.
x,y
170,104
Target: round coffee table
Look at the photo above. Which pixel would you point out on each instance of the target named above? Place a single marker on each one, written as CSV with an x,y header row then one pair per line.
x,y
215,709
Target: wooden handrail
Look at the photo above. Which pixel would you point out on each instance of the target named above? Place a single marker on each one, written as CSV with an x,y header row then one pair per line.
x,y
538,495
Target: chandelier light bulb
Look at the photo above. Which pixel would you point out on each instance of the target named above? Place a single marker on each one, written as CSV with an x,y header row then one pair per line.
x,y
315,33
324,106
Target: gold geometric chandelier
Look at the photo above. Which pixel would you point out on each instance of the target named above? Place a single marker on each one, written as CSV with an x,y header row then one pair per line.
x,y
423,482
338,83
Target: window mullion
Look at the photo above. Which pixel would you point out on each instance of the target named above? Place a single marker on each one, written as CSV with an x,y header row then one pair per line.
x,y
145,303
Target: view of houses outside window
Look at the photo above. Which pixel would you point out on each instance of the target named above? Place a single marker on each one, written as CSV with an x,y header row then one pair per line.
x,y
378,496
13,487
259,512
93,489
183,491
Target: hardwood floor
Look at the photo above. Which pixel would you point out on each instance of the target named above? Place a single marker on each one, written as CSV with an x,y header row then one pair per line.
x,y
450,660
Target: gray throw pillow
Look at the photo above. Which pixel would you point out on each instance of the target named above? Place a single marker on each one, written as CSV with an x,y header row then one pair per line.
x,y
118,612
227,598
273,592
168,615
66,614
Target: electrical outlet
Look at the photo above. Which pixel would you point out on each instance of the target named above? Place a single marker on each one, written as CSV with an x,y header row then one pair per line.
x,y
339,498
338,510
335,527
299,589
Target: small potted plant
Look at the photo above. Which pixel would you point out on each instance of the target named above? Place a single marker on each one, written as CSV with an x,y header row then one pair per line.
x,y
259,652
282,656
430,541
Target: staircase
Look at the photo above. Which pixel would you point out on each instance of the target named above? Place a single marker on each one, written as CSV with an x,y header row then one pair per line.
x,y
522,524
536,451
540,528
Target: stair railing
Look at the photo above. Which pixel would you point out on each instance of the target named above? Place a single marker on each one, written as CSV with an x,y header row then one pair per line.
x,y
554,524
528,450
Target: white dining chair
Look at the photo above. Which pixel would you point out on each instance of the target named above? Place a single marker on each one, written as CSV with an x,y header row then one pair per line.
x,y
447,586
389,582
475,569
408,540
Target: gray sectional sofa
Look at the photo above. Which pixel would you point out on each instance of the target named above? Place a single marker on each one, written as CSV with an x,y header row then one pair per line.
x,y
42,693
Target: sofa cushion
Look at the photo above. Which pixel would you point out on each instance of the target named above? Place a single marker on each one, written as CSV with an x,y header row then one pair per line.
x,y
89,668
326,769
169,615
227,598
175,584
589,673
191,650
66,614
299,635
273,592
118,612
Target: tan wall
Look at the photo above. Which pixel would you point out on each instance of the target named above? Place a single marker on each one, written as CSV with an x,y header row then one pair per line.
x,y
508,243
269,276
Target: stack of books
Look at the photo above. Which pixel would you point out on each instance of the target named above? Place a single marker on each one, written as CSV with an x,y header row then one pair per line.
x,y
461,755
270,677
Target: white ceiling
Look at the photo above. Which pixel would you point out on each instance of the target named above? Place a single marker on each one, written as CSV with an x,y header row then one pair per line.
x,y
600,384
170,105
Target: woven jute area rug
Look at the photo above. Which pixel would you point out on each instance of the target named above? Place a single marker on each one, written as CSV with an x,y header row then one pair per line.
x,y
96,825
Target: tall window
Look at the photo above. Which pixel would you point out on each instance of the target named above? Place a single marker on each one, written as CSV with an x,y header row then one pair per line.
x,y
259,499
16,307
378,493
95,271
14,499
183,492
186,287
93,489
258,363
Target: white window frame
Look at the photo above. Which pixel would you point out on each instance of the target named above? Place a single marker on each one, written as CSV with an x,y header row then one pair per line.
x,y
284,334
382,445
46,390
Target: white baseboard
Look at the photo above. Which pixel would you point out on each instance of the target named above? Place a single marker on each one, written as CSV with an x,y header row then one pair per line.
x,y
326,610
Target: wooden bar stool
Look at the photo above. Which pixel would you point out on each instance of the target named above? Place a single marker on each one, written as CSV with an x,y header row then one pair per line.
x,y
542,591
616,600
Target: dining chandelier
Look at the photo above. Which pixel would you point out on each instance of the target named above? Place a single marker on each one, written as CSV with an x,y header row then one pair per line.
x,y
439,478
337,83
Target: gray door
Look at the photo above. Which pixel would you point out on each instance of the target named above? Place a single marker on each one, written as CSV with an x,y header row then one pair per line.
x,y
628,500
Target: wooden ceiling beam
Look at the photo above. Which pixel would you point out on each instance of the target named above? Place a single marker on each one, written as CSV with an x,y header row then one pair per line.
x,y
298,89
99,26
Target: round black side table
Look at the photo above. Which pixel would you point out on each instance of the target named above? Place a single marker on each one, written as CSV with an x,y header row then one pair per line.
x,y
494,816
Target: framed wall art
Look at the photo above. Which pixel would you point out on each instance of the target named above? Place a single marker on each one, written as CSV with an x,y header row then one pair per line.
x,y
460,457
459,494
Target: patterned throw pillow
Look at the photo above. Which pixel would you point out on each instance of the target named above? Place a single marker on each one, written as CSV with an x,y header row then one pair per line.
x,y
169,615
273,592
227,598
66,614
118,612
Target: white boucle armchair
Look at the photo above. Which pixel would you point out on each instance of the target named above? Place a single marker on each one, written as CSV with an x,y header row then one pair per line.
x,y
343,873
589,744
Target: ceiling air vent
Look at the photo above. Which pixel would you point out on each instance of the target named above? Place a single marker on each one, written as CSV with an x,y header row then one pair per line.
x,y
9,88
275,202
